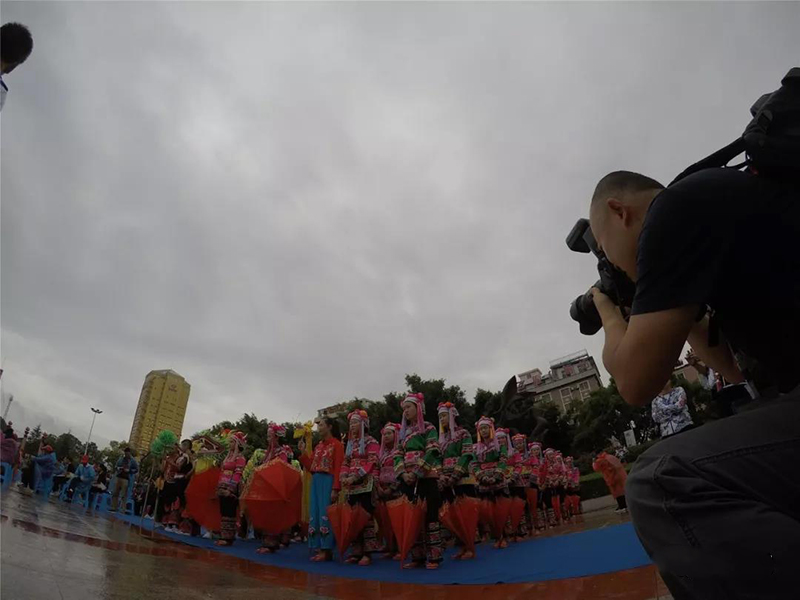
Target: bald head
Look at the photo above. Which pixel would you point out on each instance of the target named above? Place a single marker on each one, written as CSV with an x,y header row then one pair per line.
x,y
623,183
619,206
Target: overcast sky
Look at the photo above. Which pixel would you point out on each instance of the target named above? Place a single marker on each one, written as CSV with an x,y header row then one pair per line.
x,y
295,204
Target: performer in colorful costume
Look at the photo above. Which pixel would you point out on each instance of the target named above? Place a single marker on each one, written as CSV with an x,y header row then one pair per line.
x,y
551,476
520,477
324,466
489,467
358,474
417,467
228,487
561,511
573,487
534,466
280,452
455,479
388,485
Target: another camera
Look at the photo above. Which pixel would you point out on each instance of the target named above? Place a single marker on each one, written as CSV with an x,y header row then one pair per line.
x,y
613,282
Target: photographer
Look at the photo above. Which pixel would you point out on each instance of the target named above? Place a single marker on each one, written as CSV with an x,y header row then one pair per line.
x,y
718,507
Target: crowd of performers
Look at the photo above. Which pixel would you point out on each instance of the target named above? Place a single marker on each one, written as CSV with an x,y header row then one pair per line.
x,y
414,459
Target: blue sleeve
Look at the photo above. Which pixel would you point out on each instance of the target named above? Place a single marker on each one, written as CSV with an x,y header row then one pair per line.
x,y
134,467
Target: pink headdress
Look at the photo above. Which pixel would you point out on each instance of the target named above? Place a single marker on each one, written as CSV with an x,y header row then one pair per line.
x,y
504,438
389,427
485,421
279,431
239,438
419,401
359,416
450,409
520,437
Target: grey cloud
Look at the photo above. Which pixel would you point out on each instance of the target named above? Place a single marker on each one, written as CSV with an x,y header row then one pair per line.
x,y
291,204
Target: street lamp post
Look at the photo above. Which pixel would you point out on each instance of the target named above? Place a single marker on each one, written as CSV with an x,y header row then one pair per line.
x,y
94,416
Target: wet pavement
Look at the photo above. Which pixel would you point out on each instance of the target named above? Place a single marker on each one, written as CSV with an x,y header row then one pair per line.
x,y
54,551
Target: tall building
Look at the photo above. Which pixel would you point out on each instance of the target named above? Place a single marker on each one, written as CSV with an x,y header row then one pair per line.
x,y
571,379
162,405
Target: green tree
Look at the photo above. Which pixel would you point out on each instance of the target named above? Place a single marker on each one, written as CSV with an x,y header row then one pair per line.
x,y
67,445
605,414
113,452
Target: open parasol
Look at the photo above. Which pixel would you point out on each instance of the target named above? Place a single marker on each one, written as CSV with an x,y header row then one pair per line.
x,y
407,518
461,517
347,522
274,497
202,502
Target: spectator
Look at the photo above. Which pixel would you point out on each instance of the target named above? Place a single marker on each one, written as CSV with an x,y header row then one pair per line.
x,y
707,376
125,470
16,45
63,474
84,478
614,475
9,450
46,464
100,484
671,411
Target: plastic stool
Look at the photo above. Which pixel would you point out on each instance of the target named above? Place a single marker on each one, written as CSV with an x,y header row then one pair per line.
x,y
45,486
84,493
6,476
103,502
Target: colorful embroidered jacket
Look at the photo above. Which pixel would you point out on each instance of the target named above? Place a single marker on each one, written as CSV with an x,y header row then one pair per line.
x,y
279,452
328,457
555,475
490,461
532,468
457,456
231,475
520,473
574,478
419,452
361,465
387,477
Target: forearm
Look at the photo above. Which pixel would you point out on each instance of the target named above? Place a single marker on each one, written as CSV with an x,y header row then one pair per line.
x,y
614,327
720,358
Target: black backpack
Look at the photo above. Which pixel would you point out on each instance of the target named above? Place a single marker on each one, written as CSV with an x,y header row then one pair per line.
x,y
771,141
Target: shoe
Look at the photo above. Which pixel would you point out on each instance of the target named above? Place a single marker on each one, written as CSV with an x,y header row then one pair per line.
x,y
112,510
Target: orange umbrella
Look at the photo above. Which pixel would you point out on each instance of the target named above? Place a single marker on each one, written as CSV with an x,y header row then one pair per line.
x,y
502,511
533,498
202,502
384,524
407,518
495,513
461,517
516,511
274,497
347,522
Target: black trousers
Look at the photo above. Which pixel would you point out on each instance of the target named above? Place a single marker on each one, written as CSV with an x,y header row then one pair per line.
x,y
718,508
451,493
428,490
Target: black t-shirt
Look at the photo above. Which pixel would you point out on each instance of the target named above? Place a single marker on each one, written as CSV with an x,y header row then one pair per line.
x,y
729,240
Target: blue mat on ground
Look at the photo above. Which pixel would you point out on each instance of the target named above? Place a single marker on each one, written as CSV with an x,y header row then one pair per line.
x,y
604,550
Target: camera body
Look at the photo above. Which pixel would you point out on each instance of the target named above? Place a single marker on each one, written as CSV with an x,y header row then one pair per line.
x,y
613,282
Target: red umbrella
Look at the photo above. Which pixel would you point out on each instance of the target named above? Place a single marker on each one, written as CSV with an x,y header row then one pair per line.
x,y
347,522
384,524
461,517
274,497
533,497
407,518
495,513
502,511
202,502
516,511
